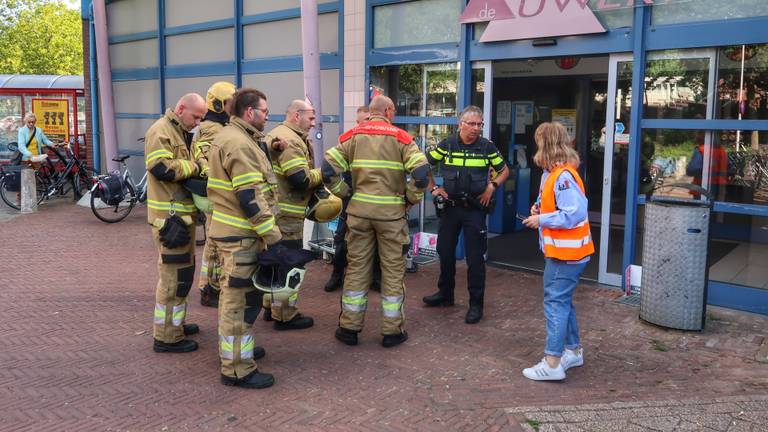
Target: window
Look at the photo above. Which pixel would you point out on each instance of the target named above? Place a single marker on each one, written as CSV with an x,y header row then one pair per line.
x,y
685,11
10,121
752,79
423,90
416,23
676,86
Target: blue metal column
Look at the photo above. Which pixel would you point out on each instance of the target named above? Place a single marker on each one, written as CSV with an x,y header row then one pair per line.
x,y
465,73
368,48
95,141
639,28
238,43
161,50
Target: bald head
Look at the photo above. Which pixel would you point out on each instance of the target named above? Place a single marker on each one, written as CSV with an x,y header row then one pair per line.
x,y
383,106
300,115
190,109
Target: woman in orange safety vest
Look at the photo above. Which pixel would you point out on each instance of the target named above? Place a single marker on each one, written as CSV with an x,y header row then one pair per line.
x,y
560,215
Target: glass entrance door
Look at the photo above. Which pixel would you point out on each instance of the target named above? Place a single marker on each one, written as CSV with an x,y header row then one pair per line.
x,y
676,82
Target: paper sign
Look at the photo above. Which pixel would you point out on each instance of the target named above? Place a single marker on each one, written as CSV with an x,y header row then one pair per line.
x,y
568,118
52,117
504,112
425,244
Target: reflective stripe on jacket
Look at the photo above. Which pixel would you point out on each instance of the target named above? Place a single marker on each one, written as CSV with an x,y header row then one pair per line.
x,y
571,244
202,143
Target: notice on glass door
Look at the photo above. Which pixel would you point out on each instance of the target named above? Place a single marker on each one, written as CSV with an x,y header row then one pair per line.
x,y
568,118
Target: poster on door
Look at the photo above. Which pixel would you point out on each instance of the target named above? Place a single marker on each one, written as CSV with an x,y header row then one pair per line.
x,y
52,117
568,118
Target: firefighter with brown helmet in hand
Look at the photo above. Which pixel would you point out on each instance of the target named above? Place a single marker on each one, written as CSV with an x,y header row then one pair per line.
x,y
379,155
170,209
218,99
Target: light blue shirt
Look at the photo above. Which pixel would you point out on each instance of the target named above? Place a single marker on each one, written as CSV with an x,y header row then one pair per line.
x,y
23,139
571,206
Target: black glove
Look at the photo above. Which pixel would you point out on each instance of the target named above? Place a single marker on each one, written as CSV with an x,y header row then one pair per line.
x,y
174,233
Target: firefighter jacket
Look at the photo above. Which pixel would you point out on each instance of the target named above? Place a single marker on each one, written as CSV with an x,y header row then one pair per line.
x,y
379,155
465,166
169,161
209,127
296,174
241,185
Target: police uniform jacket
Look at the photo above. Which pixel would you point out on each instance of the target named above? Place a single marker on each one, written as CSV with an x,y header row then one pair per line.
x,y
465,166
379,155
168,160
296,174
241,185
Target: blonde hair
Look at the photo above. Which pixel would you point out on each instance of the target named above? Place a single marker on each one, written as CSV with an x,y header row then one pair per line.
x,y
553,146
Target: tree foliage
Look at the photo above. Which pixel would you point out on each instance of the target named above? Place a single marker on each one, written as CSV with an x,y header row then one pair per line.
x,y
40,37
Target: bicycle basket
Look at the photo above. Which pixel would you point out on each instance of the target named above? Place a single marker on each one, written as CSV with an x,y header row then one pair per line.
x,y
12,176
111,190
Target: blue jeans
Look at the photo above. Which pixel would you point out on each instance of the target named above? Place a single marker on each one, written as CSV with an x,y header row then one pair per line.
x,y
560,280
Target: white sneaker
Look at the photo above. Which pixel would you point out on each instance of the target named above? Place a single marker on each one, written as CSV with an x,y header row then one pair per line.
x,y
542,372
572,358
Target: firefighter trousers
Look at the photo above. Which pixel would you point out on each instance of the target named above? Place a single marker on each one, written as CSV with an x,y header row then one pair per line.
x,y
176,272
286,310
210,267
239,304
363,236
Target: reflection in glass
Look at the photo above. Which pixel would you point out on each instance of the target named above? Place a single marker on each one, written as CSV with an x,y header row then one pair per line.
x,y
685,11
410,86
676,87
414,23
753,79
10,121
477,95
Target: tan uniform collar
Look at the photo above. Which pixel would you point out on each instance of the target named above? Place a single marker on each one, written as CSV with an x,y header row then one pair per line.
x,y
174,120
247,128
298,131
377,117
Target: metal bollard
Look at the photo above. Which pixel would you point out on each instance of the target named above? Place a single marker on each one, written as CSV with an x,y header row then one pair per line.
x,y
28,191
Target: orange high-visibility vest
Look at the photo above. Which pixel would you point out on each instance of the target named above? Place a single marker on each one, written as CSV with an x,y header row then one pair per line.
x,y
570,244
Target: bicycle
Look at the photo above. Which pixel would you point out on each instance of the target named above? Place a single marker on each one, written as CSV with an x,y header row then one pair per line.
x,y
50,179
113,196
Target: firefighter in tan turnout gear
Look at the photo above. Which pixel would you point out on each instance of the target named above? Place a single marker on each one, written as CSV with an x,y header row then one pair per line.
x,y
297,179
218,100
170,209
379,155
243,189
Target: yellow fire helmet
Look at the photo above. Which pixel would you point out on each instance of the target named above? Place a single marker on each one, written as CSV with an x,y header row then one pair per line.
x,y
323,206
219,93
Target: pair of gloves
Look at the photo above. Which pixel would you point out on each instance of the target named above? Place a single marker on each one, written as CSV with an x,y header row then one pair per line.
x,y
174,233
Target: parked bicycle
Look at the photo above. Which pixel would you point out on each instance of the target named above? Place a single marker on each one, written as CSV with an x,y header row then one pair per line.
x,y
58,178
113,196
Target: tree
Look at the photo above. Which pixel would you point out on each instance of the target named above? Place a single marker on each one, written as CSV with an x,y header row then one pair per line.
x,y
40,37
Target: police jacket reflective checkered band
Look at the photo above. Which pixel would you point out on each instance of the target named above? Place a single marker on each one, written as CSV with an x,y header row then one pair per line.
x,y
465,166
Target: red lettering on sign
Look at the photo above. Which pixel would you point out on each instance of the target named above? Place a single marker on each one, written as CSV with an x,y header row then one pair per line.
x,y
522,13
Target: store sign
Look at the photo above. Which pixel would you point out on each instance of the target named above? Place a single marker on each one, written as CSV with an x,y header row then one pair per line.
x,y
531,19
52,117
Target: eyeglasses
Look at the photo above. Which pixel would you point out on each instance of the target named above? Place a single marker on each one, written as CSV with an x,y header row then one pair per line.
x,y
474,124
265,111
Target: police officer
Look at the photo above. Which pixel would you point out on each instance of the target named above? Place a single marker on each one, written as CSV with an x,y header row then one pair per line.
x,y
218,100
243,189
379,156
170,209
340,246
467,161
297,179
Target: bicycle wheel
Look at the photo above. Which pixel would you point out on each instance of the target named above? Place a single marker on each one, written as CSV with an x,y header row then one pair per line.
x,y
82,181
13,198
113,213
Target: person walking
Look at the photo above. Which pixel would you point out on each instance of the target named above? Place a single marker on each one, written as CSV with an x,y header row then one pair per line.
x,y
467,161
241,187
218,101
379,155
170,209
339,244
560,215
297,179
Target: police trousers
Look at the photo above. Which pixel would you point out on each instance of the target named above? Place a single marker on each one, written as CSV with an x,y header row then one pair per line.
x,y
472,221
239,304
210,267
362,239
176,272
286,310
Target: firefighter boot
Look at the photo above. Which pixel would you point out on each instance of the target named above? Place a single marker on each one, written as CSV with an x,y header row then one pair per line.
x,y
349,337
392,340
254,380
296,323
209,296
190,329
182,346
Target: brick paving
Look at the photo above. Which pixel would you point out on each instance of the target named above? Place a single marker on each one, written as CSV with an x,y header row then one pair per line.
x,y
75,337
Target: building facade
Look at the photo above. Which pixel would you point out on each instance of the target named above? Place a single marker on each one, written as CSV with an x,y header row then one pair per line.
x,y
654,92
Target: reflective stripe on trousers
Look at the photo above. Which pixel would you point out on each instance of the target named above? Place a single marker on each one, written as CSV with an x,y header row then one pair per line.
x,y
354,301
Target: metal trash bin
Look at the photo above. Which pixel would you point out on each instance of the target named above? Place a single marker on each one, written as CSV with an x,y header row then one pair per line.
x,y
673,290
